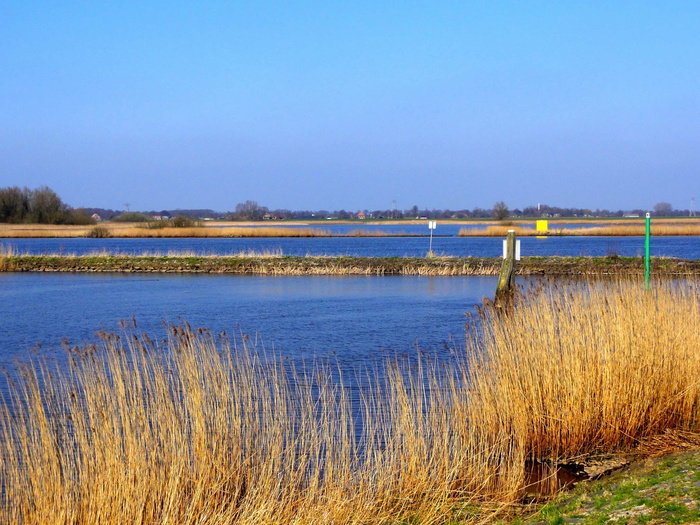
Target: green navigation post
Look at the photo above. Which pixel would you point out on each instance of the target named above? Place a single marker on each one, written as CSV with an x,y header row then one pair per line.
x,y
647,251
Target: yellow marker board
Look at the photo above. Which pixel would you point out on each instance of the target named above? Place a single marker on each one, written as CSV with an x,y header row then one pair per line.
x,y
541,226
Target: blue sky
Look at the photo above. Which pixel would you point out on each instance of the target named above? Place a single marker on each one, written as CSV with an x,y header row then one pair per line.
x,y
330,105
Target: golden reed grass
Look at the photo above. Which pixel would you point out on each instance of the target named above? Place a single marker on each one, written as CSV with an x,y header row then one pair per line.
x,y
137,230
620,230
200,429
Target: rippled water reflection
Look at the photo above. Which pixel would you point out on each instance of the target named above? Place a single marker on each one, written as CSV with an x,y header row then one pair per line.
x,y
356,319
682,247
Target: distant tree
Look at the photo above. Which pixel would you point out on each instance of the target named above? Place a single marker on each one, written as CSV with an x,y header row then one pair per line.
x,y
249,211
480,213
46,207
663,209
132,216
79,217
184,221
282,213
500,211
14,204
41,205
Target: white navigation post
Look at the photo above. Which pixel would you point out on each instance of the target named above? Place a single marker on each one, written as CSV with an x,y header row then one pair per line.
x,y
432,225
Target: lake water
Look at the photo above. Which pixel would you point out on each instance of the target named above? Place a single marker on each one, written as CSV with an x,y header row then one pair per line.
x,y
357,320
682,247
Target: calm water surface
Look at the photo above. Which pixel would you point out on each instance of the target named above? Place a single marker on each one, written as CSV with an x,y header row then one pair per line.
x,y
682,247
356,319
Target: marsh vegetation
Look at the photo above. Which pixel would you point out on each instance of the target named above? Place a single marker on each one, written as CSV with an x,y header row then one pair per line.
x,y
187,227
203,428
629,229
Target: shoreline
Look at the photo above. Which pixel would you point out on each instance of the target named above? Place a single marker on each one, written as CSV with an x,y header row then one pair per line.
x,y
686,227
344,265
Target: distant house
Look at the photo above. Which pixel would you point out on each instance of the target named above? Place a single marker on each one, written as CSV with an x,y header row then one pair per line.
x,y
96,217
360,215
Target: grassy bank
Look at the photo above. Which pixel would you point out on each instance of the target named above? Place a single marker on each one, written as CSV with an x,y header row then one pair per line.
x,y
662,488
202,429
331,265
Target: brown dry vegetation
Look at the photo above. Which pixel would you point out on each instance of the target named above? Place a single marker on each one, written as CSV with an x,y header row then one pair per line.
x,y
659,227
612,227
201,430
139,230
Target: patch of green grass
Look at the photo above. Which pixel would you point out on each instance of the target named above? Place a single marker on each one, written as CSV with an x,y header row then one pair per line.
x,y
663,489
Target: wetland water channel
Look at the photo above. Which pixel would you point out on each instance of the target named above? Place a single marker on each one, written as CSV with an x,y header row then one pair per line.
x,y
681,247
355,320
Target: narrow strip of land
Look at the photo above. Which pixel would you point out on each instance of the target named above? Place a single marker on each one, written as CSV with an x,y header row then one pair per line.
x,y
331,265
688,226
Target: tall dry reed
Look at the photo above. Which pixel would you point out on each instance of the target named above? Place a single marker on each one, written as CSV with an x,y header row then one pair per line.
x,y
200,429
586,368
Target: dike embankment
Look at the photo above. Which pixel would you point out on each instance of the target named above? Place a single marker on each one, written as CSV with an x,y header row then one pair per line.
x,y
328,265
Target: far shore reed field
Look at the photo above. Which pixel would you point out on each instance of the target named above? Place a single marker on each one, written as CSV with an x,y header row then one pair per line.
x,y
659,228
689,226
203,428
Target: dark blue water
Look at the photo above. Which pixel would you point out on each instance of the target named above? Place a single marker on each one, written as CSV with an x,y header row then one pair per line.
x,y
681,247
355,319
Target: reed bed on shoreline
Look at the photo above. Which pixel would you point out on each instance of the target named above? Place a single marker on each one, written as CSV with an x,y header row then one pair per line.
x,y
201,428
621,230
602,227
131,230
263,231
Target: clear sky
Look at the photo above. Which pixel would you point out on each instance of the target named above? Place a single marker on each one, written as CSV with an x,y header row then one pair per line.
x,y
332,105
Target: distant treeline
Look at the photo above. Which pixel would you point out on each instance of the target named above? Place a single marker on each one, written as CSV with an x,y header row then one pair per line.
x,y
251,210
41,206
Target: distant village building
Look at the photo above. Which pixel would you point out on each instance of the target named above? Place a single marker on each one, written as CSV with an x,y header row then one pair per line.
x,y
361,215
96,217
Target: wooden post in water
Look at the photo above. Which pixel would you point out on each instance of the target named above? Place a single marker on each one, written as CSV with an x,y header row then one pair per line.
x,y
506,280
